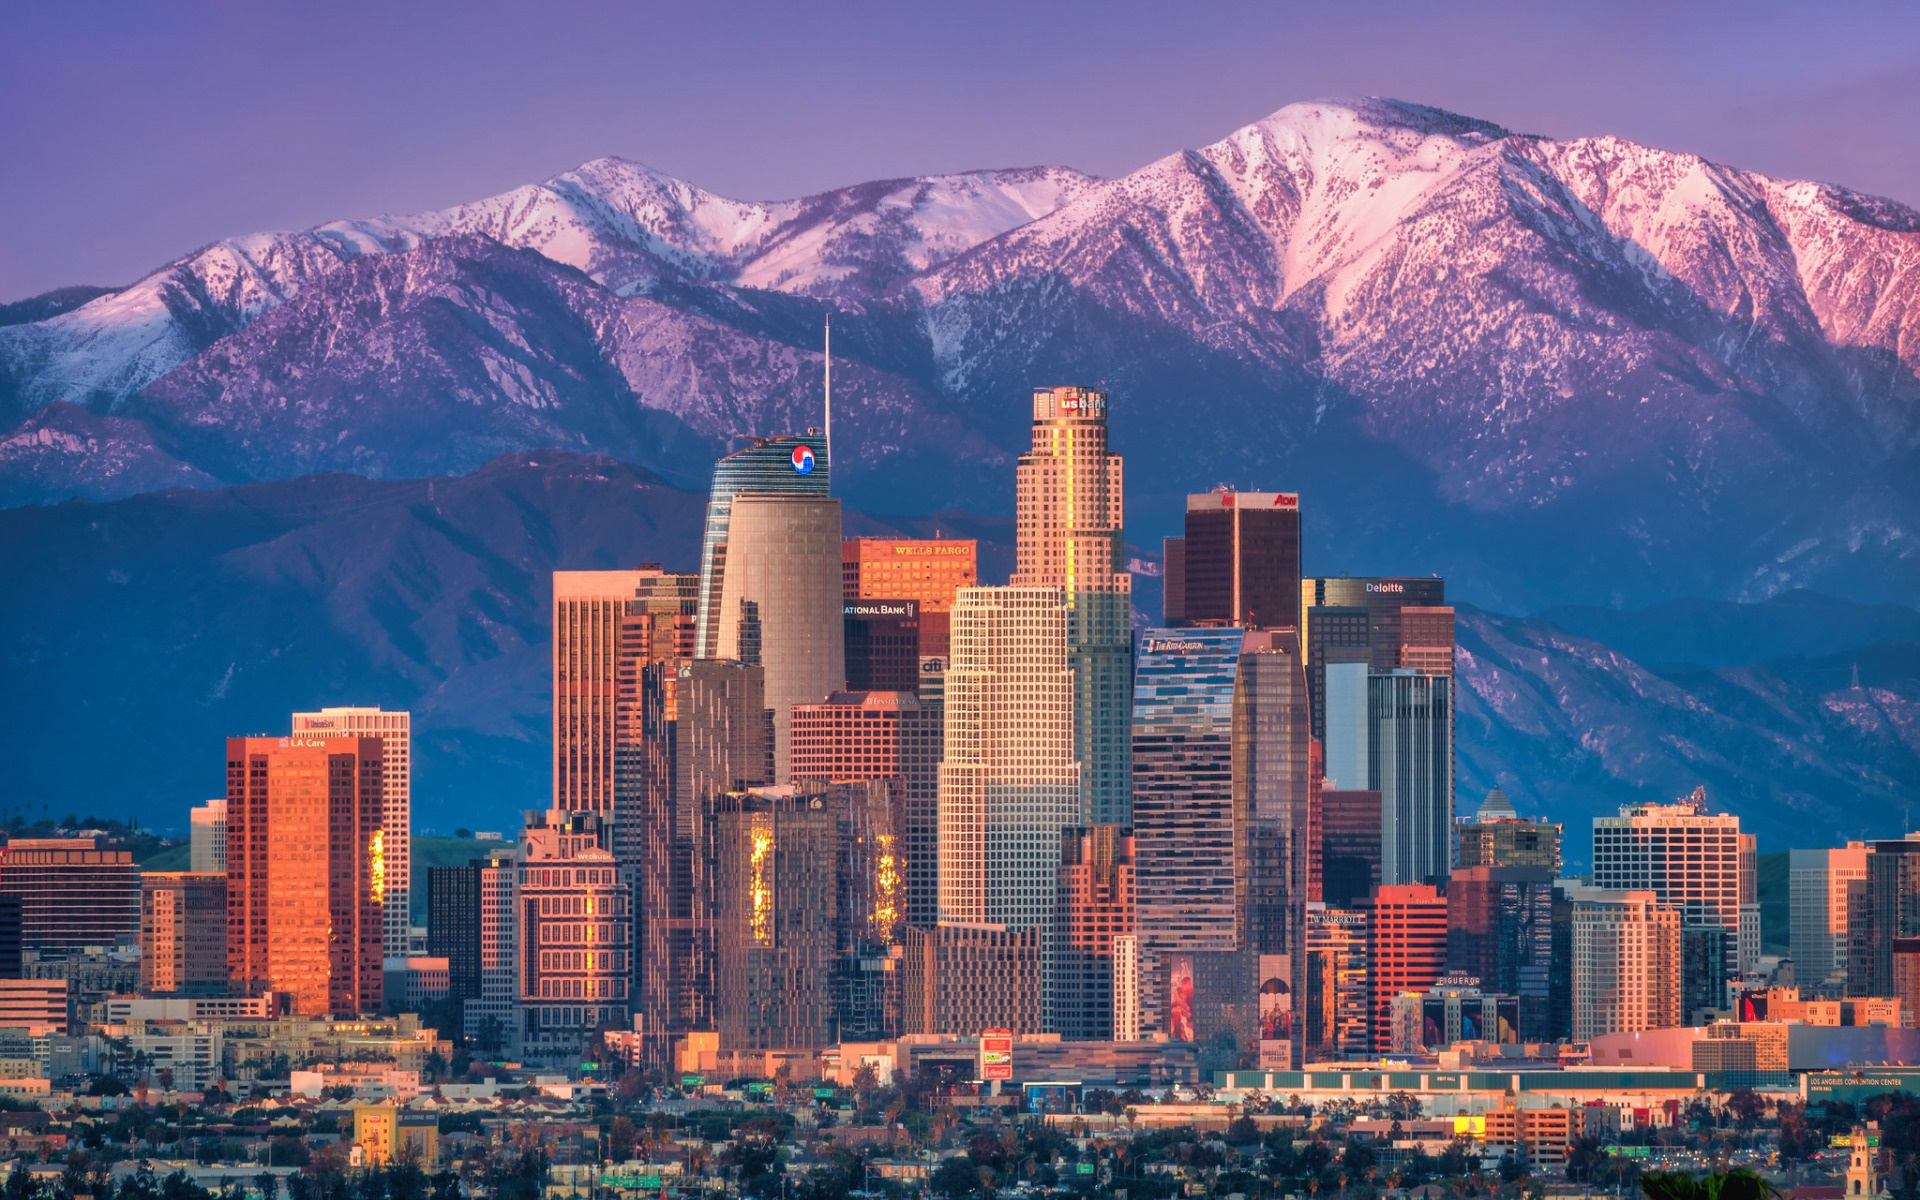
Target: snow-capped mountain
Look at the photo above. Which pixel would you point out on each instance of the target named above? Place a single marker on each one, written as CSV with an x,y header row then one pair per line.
x,y
624,225
1554,371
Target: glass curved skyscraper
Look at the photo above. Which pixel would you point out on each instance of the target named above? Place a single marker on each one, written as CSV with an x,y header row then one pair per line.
x,y
793,465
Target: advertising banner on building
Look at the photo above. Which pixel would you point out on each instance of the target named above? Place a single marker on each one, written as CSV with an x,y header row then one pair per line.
x,y
996,1054
1433,1023
1276,1013
1509,1020
1180,997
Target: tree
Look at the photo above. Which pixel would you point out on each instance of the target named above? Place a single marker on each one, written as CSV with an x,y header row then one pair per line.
x,y
957,1177
1741,1184
288,1150
1513,1168
621,1136
1746,1106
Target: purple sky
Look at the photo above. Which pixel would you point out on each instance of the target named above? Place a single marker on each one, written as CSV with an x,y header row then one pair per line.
x,y
136,132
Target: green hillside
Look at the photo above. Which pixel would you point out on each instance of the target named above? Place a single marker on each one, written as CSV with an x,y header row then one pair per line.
x,y
441,852
168,858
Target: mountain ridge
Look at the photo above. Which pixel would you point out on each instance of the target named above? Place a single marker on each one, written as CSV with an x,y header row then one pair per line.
x,y
1579,372
224,609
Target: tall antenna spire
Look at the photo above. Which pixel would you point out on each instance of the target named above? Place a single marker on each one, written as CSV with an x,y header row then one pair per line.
x,y
829,396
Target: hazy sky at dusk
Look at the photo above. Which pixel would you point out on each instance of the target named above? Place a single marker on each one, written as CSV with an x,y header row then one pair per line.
x,y
136,132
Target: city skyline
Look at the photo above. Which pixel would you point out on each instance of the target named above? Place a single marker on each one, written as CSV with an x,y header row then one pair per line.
x,y
1300,634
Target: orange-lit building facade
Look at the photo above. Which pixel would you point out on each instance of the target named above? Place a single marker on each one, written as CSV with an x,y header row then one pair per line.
x,y
589,619
307,866
861,736
1096,905
1426,639
929,571
1406,948
1068,534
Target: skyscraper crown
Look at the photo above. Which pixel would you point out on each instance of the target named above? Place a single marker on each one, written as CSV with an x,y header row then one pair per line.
x,y
1069,404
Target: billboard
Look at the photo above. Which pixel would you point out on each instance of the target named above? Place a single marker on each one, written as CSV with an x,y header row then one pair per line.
x,y
1509,1022
1180,997
1276,1013
1472,1020
1433,1022
996,1054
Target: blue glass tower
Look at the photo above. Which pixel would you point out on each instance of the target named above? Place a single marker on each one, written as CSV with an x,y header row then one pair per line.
x,y
1189,843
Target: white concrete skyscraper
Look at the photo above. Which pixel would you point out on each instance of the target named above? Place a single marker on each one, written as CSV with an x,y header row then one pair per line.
x,y
1009,782
1694,861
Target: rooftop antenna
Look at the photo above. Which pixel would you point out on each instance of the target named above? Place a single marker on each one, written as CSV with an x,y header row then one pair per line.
x,y
829,381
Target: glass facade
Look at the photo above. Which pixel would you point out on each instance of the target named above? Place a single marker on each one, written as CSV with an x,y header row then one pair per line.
x,y
1069,536
1189,842
1410,762
306,870
770,465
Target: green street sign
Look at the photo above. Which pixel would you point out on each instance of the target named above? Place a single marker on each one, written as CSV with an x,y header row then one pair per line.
x,y
1083,1169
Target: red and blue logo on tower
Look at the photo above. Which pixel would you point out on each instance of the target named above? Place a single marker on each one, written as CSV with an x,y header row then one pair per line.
x,y
803,460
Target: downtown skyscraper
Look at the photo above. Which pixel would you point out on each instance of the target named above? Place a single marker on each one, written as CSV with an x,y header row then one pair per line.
x,y
1069,536
1008,782
1238,562
307,870
770,577
1222,831
395,731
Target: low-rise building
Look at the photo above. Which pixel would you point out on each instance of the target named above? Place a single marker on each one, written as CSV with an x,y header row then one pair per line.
x,y
415,981
1541,1136
116,1010
385,1132
183,1055
366,1079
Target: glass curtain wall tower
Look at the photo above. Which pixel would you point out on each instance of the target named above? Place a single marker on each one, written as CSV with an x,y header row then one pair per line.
x,y
1069,536
795,465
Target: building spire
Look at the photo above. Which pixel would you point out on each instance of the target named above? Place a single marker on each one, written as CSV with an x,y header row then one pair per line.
x,y
829,389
